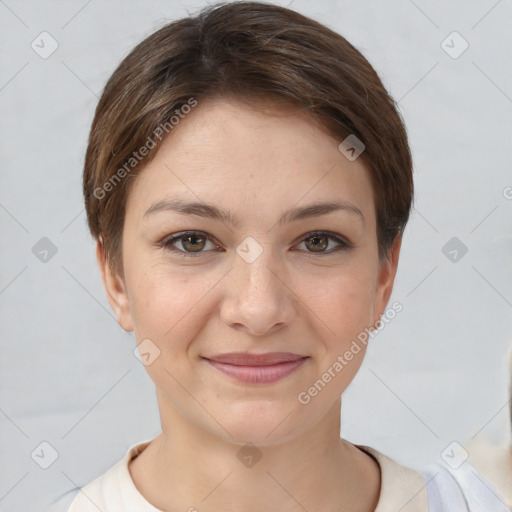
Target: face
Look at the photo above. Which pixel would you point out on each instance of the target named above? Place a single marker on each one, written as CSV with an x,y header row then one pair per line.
x,y
267,274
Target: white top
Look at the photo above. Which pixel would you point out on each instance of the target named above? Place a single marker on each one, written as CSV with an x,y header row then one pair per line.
x,y
433,489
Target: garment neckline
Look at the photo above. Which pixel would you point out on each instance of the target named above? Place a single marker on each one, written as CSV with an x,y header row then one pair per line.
x,y
409,496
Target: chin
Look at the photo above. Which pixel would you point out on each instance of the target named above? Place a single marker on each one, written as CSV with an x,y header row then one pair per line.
x,y
268,429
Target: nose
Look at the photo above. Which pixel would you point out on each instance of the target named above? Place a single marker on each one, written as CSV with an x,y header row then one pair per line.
x,y
257,299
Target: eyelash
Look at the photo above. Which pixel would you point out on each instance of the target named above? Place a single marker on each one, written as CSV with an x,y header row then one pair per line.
x,y
167,243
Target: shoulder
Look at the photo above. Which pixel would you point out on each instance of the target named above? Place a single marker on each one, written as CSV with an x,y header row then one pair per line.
x,y
402,488
111,492
91,497
434,488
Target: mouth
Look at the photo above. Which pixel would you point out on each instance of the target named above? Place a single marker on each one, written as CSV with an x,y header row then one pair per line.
x,y
257,368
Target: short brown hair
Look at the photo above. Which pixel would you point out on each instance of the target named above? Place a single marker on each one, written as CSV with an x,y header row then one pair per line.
x,y
257,52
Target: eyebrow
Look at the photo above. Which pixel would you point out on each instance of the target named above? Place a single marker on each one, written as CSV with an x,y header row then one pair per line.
x,y
293,215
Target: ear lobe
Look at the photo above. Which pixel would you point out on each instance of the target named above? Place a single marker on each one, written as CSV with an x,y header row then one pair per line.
x,y
386,278
116,290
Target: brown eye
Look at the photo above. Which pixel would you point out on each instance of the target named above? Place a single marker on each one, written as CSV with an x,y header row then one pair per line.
x,y
193,243
317,243
188,244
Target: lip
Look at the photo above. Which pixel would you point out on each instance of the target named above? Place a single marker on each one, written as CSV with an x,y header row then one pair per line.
x,y
248,359
257,368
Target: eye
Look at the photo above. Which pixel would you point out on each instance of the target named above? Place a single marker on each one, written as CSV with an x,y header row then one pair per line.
x,y
191,242
318,241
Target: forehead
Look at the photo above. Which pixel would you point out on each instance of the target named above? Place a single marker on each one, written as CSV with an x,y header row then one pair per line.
x,y
227,152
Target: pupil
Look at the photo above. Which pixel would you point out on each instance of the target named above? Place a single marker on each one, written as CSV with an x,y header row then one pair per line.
x,y
199,247
319,245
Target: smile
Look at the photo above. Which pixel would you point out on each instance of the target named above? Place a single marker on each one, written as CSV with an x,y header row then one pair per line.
x,y
261,374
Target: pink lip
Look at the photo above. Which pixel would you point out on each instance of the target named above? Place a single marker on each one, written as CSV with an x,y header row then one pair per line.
x,y
257,368
247,359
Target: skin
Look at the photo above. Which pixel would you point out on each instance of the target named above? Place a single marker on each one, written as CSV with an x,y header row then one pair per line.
x,y
291,298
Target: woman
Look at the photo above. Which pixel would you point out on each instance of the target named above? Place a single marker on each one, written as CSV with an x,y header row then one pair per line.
x,y
248,180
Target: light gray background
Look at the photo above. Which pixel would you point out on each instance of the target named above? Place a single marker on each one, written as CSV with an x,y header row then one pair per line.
x,y
436,374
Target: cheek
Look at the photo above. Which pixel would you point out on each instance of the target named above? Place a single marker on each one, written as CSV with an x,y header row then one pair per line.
x,y
343,302
168,307
343,294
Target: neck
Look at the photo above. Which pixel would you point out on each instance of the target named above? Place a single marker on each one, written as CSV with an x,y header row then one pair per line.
x,y
187,467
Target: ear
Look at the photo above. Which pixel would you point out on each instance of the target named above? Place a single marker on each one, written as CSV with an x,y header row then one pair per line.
x,y
384,286
116,290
